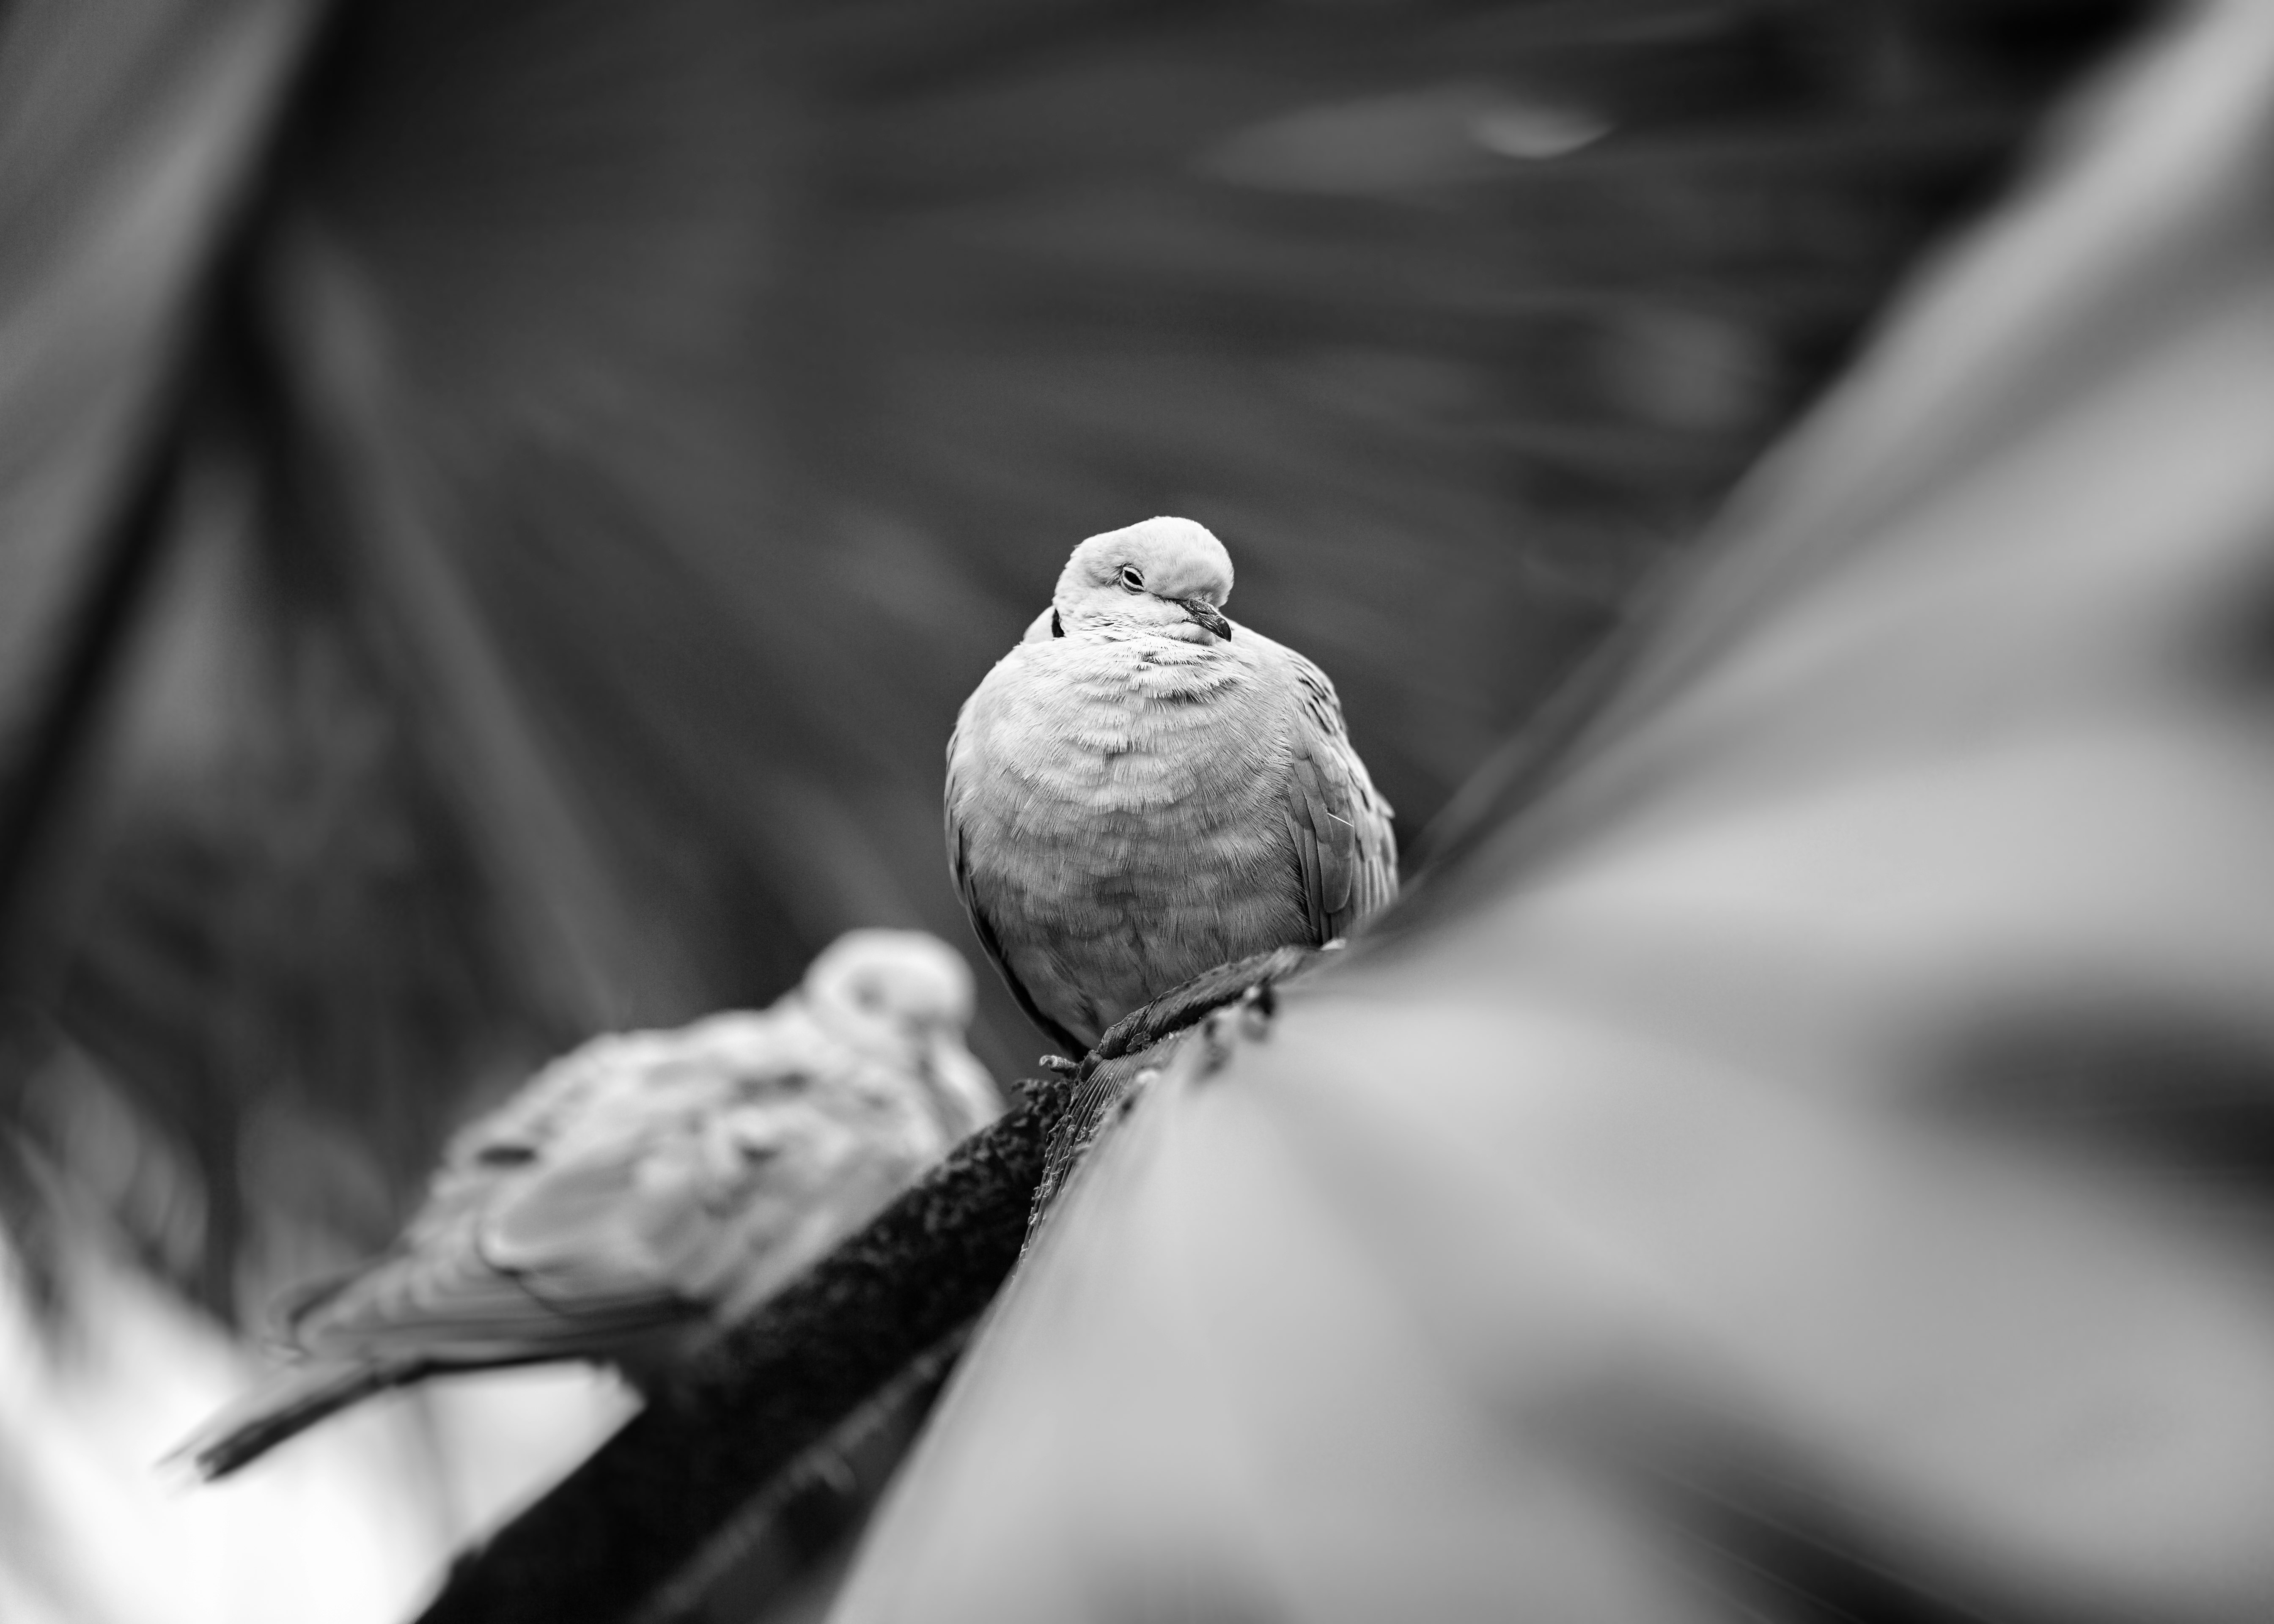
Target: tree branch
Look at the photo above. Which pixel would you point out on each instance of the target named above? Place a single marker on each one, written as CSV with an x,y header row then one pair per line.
x,y
733,1440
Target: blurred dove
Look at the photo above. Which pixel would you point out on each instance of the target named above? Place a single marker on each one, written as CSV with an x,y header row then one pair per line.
x,y
647,1191
1141,790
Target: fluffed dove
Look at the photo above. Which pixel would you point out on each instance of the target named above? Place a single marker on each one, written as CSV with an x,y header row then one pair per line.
x,y
1142,789
1809,1158
647,1191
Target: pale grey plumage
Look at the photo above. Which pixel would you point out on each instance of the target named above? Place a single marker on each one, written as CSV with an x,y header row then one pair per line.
x,y
644,1192
1142,789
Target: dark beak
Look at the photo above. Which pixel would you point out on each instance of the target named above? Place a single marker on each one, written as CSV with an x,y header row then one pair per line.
x,y
1203,613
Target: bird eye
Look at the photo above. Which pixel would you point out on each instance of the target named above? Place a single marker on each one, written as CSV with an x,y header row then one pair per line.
x,y
1132,579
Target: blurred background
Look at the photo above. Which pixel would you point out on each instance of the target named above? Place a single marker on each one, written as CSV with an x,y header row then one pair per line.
x,y
500,503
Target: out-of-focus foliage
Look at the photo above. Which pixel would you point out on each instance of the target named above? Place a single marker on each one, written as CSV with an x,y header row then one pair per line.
x,y
593,448
1802,1155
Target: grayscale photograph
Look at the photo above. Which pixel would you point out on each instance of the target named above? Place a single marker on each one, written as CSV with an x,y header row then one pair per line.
x,y
1136,811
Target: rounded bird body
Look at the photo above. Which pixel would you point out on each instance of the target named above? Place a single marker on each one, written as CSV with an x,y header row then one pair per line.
x,y
649,1190
1142,789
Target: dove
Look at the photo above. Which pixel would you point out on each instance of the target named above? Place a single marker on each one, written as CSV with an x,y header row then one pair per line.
x,y
1142,789
1808,1157
647,1191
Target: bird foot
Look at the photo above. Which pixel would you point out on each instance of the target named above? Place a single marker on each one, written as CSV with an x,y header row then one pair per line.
x,y
1059,1064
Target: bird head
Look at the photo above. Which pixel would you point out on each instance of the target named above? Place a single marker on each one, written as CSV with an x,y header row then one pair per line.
x,y
902,986
1166,577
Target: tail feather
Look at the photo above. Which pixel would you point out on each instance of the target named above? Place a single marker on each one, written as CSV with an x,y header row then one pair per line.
x,y
296,1400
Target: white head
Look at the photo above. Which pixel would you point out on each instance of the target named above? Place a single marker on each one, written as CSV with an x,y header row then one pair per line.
x,y
1165,577
902,983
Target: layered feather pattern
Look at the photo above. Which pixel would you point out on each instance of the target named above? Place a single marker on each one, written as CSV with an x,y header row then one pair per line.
x,y
1132,799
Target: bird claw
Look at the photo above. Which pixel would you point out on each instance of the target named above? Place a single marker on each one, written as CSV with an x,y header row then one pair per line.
x,y
1059,1064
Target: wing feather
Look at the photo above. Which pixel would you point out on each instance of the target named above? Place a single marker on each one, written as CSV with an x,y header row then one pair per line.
x,y
552,1262
639,1186
959,863
1339,824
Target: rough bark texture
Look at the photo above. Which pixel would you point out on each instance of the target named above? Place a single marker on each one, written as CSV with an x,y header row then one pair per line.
x,y
1132,1046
